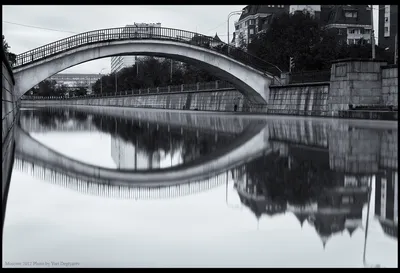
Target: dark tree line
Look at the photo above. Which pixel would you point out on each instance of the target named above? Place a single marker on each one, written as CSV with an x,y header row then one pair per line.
x,y
145,73
150,139
151,72
301,37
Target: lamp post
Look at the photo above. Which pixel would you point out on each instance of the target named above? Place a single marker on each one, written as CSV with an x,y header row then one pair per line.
x,y
372,32
116,83
101,81
237,12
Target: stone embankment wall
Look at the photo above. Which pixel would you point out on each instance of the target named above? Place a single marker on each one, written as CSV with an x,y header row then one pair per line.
x,y
9,115
299,99
217,100
390,85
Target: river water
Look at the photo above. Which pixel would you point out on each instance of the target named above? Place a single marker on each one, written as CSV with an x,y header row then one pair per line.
x,y
111,187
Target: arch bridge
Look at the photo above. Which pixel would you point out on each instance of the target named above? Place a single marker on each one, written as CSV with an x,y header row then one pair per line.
x,y
250,75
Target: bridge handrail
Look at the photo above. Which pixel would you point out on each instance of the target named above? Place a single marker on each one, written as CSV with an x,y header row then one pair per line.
x,y
138,33
199,86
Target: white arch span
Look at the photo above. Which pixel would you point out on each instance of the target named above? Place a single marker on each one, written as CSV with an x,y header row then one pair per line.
x,y
251,82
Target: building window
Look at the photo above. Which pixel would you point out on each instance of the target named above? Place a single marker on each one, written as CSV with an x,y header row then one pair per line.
x,y
251,31
351,14
340,31
252,21
347,199
367,31
246,23
350,41
352,30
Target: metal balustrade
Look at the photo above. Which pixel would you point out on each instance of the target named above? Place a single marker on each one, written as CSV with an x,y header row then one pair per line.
x,y
203,86
96,188
141,33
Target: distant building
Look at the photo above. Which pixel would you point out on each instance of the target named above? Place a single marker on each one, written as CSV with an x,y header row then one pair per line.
x,y
75,81
137,29
388,27
126,156
351,24
254,20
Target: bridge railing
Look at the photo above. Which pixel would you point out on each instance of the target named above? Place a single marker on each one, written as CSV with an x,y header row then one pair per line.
x,y
140,33
200,86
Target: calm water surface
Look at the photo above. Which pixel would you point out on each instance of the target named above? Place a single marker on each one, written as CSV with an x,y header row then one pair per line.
x,y
113,188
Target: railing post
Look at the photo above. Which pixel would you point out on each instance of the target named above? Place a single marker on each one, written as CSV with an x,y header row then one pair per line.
x,y
197,86
158,89
216,84
169,88
148,90
181,87
140,91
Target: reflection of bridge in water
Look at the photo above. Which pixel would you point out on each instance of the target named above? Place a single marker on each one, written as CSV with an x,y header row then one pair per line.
x,y
270,164
116,191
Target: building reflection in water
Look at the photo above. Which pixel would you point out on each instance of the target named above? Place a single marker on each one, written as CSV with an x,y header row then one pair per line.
x,y
386,202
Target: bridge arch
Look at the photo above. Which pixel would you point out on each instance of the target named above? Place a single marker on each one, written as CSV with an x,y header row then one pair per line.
x,y
244,149
248,73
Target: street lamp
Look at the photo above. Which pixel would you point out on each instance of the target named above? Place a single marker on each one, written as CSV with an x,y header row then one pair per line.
x,y
101,81
237,12
372,32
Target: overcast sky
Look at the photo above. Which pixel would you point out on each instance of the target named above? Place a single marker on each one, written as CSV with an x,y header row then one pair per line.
x,y
203,19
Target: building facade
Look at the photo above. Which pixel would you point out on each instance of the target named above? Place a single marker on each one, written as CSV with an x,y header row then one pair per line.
x,y
254,20
351,24
120,62
137,29
388,28
313,10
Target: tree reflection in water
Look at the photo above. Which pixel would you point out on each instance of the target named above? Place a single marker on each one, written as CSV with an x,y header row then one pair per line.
x,y
150,138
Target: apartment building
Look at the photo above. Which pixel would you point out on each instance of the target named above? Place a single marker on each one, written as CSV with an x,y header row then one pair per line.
x,y
254,20
313,10
388,28
351,24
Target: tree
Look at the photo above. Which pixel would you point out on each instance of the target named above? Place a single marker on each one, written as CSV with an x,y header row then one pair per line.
x,y
298,36
11,57
151,72
241,41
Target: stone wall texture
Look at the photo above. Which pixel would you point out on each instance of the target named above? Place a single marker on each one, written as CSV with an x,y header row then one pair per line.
x,y
223,101
390,86
299,99
9,115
